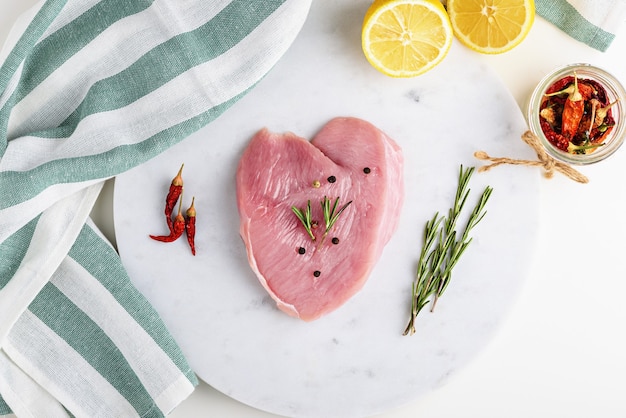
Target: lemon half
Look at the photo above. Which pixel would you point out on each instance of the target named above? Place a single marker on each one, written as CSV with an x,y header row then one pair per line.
x,y
491,26
406,38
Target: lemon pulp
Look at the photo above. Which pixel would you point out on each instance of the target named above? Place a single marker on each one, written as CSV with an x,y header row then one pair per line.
x,y
491,26
406,38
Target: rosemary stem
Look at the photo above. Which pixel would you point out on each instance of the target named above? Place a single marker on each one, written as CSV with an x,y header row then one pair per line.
x,y
441,249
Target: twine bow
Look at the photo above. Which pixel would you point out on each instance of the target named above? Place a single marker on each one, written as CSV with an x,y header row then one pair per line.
x,y
549,164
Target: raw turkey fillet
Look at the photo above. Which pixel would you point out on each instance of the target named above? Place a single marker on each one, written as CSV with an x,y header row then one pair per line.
x,y
278,171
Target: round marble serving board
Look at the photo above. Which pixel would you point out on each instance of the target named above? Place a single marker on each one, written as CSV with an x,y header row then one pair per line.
x,y
354,361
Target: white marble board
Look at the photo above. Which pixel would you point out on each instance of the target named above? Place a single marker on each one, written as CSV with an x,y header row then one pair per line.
x,y
353,362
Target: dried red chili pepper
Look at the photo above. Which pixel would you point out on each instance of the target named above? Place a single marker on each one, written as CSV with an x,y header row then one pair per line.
x,y
573,109
176,188
190,226
178,227
555,138
572,112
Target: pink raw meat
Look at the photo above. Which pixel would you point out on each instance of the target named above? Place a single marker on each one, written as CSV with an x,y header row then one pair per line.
x,y
351,159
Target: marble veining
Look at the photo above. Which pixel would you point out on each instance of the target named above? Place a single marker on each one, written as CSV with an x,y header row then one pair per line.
x,y
353,362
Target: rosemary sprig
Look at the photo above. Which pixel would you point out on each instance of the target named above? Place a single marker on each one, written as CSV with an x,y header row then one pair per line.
x,y
330,216
305,218
441,249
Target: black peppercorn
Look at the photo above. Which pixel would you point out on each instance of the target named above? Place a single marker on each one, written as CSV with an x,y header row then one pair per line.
x,y
317,273
367,170
332,179
301,250
335,240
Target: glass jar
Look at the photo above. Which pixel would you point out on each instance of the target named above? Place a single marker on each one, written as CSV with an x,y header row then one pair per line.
x,y
615,94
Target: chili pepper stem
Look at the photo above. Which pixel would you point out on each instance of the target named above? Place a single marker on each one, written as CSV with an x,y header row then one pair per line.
x,y
192,208
178,180
572,91
180,204
602,111
576,95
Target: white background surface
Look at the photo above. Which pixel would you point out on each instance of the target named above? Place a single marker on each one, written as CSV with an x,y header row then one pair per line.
x,y
562,350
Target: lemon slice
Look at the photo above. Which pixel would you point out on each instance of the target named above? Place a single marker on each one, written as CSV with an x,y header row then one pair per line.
x,y
491,26
406,38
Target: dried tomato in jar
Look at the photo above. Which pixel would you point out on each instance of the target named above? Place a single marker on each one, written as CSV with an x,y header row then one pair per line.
x,y
575,114
578,114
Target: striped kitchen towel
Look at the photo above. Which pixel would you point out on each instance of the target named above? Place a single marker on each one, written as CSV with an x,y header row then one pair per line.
x,y
89,89
594,22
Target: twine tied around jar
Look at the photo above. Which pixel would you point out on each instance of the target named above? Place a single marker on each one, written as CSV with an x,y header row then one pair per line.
x,y
549,164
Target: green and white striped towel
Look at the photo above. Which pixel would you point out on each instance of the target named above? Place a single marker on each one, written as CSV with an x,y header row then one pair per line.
x,y
594,22
89,89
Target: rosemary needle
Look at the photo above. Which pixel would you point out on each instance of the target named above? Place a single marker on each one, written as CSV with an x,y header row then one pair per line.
x,y
331,214
441,249
305,217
